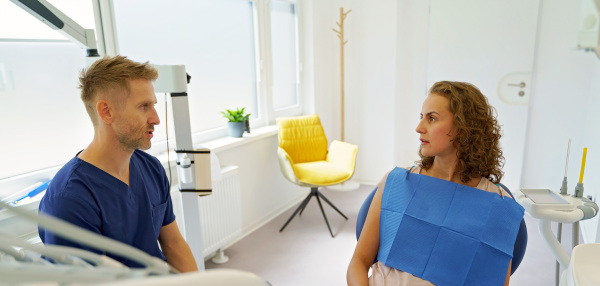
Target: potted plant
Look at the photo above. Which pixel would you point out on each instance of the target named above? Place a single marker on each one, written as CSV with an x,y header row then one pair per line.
x,y
238,121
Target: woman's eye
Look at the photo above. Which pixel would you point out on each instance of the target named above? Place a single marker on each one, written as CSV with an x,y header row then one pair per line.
x,y
431,118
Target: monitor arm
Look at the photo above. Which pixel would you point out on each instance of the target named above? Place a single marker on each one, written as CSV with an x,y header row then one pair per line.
x,y
57,20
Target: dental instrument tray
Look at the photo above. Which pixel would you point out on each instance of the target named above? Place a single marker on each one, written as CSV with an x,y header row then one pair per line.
x,y
548,204
543,196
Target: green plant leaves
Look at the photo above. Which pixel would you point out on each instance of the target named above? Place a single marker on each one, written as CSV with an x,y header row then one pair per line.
x,y
235,115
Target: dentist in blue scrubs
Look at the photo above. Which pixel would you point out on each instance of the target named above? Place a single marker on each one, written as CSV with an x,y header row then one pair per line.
x,y
112,187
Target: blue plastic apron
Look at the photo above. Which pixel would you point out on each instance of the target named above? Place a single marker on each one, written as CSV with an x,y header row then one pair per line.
x,y
444,232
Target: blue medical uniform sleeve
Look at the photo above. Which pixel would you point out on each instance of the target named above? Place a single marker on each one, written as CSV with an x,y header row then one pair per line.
x,y
169,216
76,211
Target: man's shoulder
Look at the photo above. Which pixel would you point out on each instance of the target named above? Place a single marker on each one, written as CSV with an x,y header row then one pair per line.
x,y
144,157
67,186
75,176
62,178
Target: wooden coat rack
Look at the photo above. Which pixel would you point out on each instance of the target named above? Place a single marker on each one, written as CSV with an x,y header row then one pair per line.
x,y
343,42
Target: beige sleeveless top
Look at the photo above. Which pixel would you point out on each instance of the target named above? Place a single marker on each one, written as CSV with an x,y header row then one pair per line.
x,y
383,275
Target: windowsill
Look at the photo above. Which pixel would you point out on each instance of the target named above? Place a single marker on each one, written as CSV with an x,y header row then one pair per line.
x,y
226,143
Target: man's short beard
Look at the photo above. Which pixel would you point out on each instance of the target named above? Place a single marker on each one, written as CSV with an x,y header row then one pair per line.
x,y
130,144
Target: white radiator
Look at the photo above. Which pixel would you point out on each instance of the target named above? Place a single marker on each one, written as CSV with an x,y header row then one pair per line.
x,y
220,212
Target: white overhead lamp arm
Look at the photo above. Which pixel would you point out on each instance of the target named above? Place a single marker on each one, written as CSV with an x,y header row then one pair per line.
x,y
57,20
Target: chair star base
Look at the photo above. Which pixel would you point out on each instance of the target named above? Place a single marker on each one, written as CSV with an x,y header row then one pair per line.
x,y
314,192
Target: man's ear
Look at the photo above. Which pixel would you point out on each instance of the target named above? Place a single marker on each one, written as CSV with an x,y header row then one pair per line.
x,y
105,111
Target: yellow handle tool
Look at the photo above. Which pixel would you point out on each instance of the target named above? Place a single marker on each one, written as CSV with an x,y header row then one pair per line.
x,y
582,166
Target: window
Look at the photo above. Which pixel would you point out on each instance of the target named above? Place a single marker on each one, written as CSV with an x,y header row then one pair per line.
x,y
43,122
213,39
227,47
239,53
284,53
24,26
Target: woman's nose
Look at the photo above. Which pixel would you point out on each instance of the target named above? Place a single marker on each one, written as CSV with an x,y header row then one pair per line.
x,y
420,129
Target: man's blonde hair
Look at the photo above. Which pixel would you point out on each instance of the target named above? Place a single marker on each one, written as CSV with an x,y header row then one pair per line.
x,y
108,78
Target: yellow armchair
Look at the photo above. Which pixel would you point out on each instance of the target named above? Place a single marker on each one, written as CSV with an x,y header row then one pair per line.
x,y
305,161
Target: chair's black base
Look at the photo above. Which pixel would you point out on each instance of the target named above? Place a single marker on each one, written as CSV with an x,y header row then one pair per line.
x,y
314,192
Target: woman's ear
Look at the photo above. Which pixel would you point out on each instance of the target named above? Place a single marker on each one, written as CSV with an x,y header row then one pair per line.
x,y
105,111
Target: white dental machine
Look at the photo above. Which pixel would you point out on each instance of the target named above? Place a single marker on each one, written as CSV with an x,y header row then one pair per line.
x,y
581,268
21,262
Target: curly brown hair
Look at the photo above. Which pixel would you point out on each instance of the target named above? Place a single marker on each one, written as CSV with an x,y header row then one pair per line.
x,y
477,139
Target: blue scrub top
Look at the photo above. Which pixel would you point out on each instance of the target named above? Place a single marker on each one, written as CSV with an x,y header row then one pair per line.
x,y
88,197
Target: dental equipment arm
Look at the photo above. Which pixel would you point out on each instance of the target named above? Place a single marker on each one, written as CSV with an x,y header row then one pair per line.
x,y
548,206
57,20
26,273
60,254
22,266
193,164
153,265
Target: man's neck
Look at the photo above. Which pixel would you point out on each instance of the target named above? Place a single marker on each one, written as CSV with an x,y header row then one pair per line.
x,y
109,157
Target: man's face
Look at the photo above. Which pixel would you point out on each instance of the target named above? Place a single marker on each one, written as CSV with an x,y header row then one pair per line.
x,y
135,120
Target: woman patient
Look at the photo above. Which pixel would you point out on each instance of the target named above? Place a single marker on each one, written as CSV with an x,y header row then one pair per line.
x,y
444,221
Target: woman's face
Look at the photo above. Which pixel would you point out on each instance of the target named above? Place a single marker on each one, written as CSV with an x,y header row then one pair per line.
x,y
436,127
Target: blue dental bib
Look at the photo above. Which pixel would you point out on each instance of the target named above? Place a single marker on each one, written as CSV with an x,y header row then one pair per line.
x,y
444,232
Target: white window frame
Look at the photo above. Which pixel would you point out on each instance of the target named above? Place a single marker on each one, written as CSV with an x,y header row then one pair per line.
x,y
266,61
108,45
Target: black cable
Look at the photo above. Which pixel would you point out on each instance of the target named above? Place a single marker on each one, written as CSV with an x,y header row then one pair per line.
x,y
167,130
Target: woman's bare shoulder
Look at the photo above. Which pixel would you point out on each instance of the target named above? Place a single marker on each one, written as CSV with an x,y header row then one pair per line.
x,y
381,183
487,185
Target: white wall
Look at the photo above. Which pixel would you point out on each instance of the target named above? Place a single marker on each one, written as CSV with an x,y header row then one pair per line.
x,y
371,85
591,139
384,81
370,80
562,80
386,64
324,70
264,191
411,77
563,106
